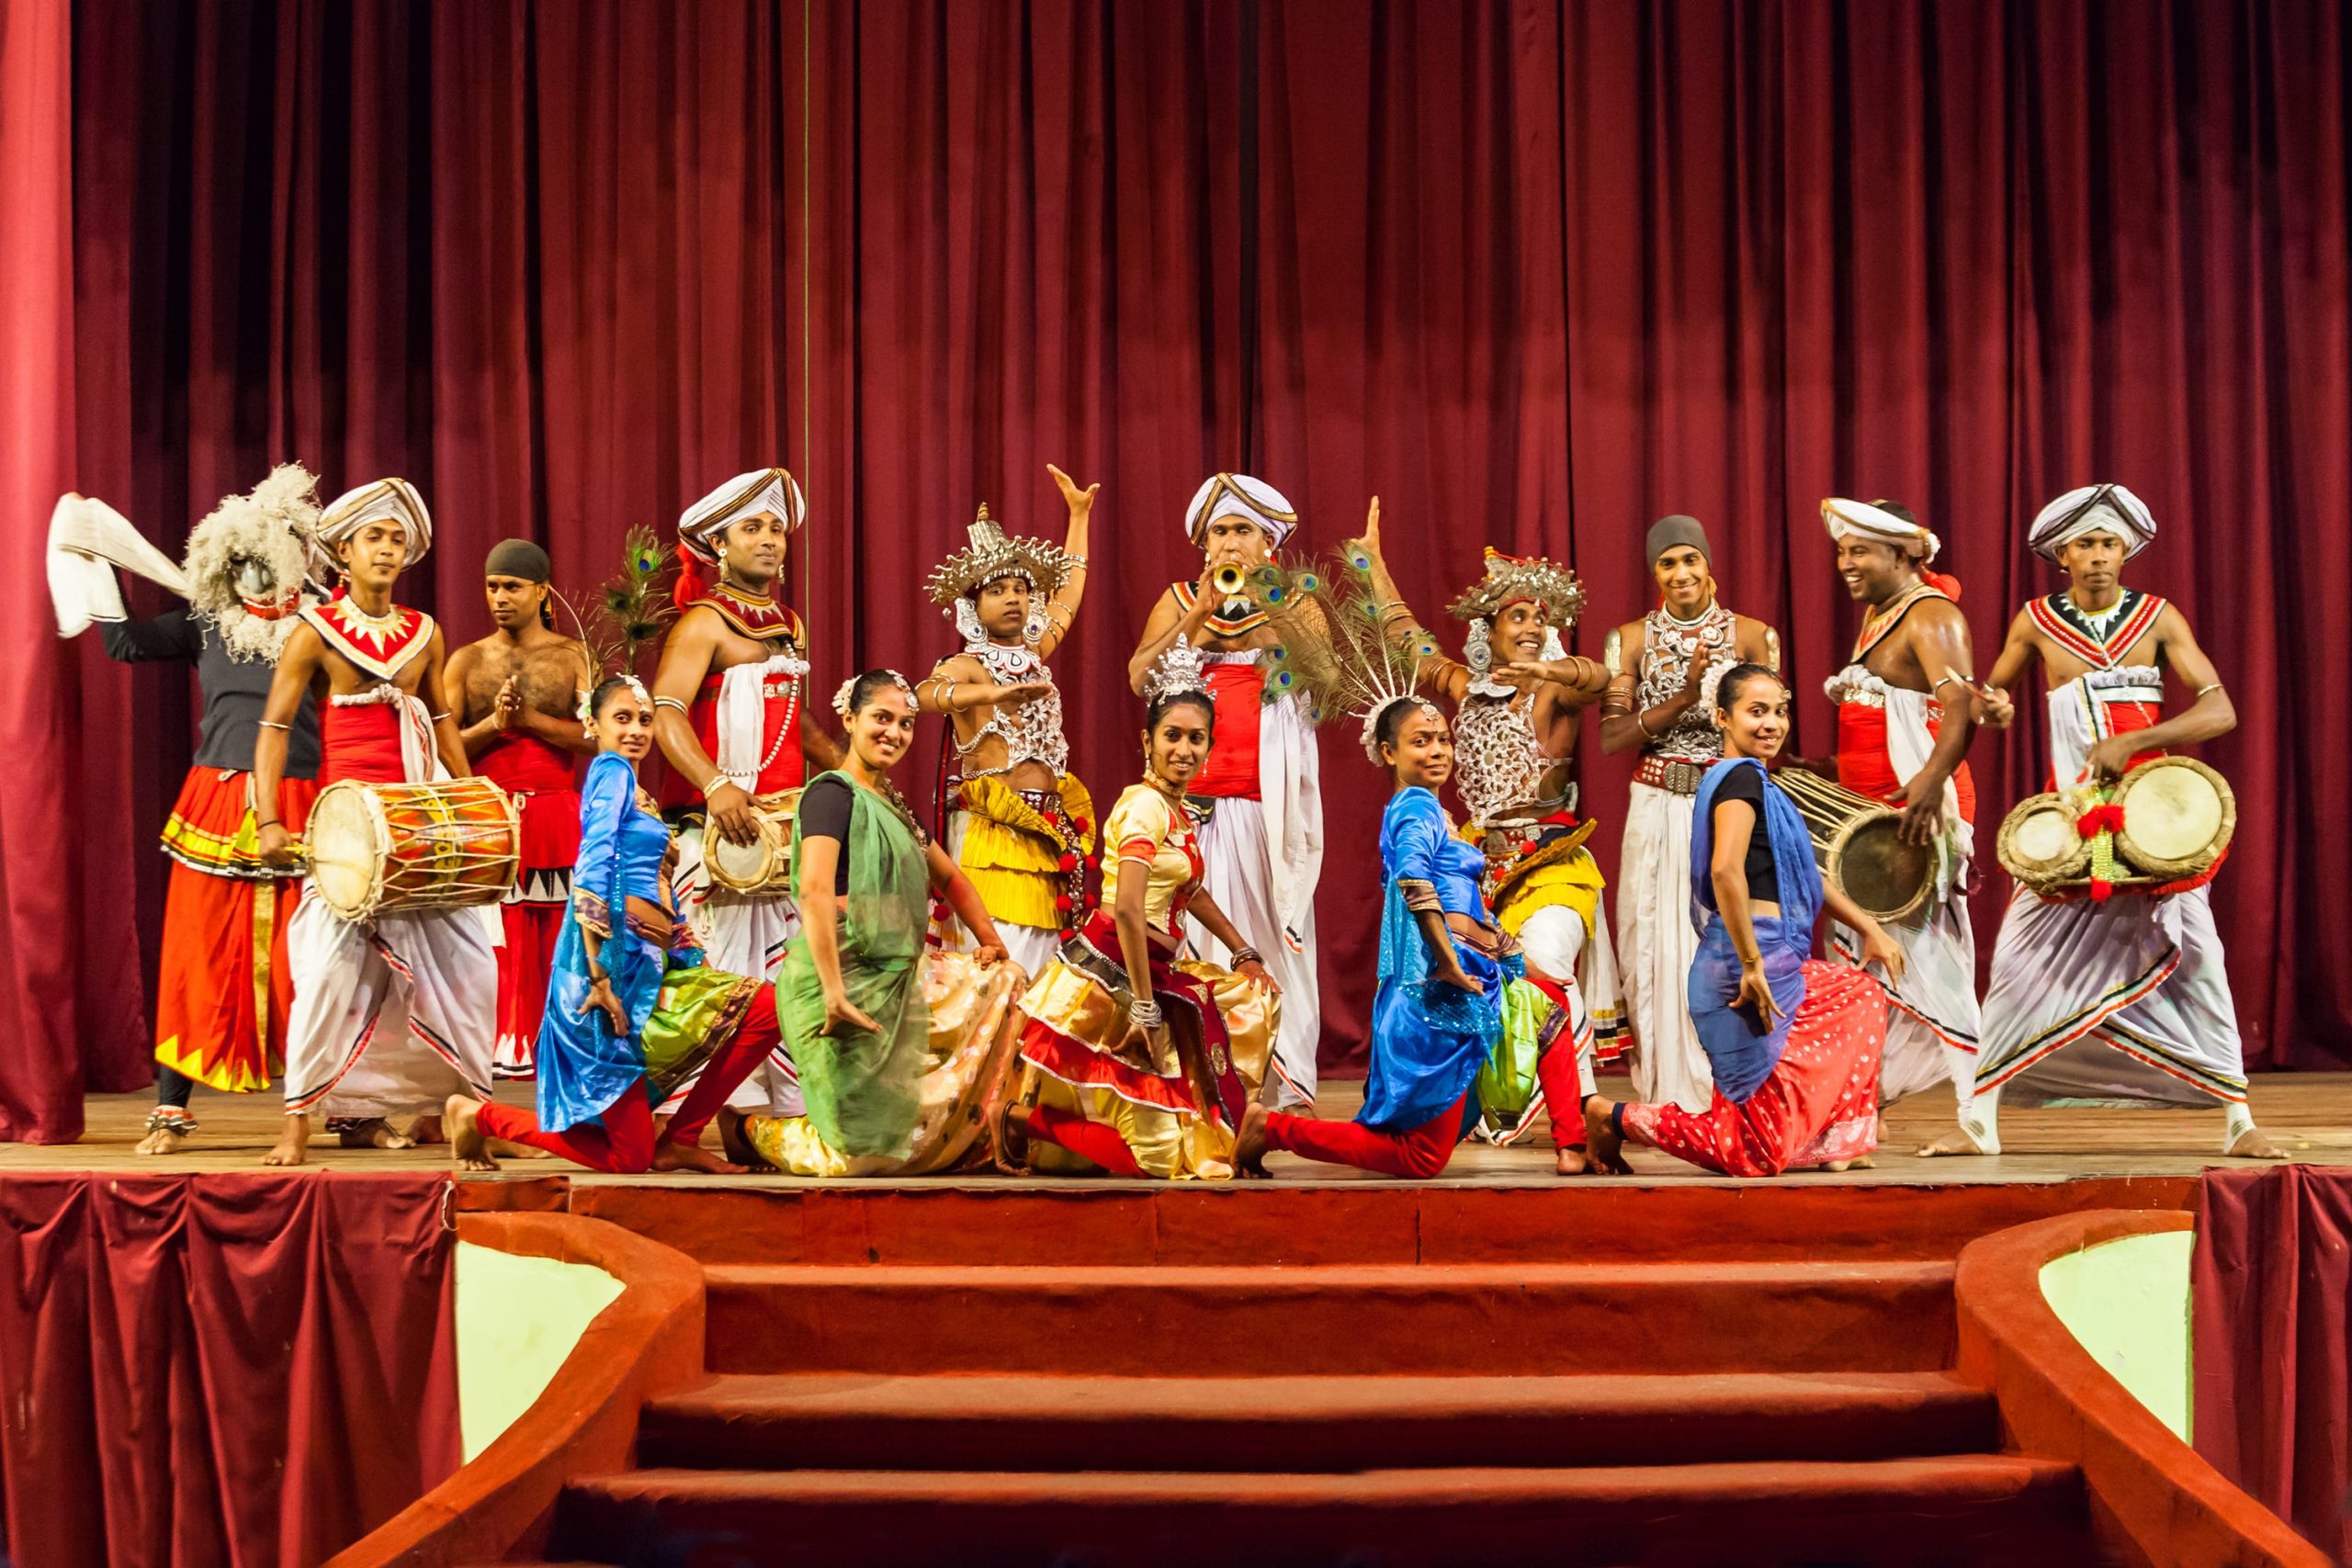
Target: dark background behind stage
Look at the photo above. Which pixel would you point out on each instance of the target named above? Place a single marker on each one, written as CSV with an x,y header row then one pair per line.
x,y
1535,273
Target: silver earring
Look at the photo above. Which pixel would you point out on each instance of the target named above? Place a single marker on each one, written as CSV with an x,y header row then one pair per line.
x,y
1477,649
1032,632
968,621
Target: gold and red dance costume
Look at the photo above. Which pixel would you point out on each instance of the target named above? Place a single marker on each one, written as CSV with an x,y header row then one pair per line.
x,y
1429,1038
597,1090
904,1098
222,987
2126,996
1173,1111
1886,734
391,1015
1654,938
1803,1092
1541,883
538,776
1261,844
1023,850
747,721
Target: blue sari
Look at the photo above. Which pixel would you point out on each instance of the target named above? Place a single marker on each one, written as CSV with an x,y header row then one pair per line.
x,y
1741,1051
1429,1039
679,1011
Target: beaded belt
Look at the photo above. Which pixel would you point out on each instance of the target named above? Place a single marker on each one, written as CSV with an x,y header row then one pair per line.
x,y
1676,775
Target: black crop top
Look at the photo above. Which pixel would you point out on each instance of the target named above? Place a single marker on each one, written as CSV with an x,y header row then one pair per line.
x,y
1763,878
824,813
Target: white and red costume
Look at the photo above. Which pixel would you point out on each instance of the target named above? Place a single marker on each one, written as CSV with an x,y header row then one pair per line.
x,y
2125,998
392,1015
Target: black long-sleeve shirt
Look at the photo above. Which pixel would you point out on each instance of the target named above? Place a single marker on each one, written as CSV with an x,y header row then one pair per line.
x,y
237,691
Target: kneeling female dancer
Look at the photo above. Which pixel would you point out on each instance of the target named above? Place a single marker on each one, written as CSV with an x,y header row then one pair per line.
x,y
1135,1061
1794,1043
896,1047
1446,970
632,1010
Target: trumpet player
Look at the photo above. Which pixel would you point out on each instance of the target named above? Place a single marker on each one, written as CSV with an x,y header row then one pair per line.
x,y
1261,846
2122,996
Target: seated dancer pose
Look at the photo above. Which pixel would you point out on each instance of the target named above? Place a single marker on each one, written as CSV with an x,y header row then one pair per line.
x,y
222,991
2126,996
1016,818
1444,999
1136,1061
631,1009
729,716
1794,1043
1261,843
1663,671
1515,733
1900,742
394,1014
516,694
898,1047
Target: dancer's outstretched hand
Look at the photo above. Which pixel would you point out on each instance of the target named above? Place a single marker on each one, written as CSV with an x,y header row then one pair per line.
x,y
1080,502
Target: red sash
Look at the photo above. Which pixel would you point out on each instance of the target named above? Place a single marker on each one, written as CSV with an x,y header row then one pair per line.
x,y
1231,770
1865,767
540,774
360,740
787,769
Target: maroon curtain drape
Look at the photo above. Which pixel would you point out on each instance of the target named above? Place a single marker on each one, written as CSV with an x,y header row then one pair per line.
x,y
1534,271
2271,1316
228,1368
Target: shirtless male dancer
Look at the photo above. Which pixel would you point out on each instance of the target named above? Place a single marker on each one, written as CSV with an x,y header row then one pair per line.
x,y
516,693
392,1015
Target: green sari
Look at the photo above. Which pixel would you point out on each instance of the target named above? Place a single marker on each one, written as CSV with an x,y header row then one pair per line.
x,y
860,1086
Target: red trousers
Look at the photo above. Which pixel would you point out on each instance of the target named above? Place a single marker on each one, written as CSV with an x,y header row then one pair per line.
x,y
1094,1141
1419,1154
621,1141
1563,1091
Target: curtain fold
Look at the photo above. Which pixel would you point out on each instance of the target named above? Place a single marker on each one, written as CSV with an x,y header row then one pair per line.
x,y
1535,273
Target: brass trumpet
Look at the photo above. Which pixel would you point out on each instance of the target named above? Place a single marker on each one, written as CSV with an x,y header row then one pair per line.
x,y
1229,581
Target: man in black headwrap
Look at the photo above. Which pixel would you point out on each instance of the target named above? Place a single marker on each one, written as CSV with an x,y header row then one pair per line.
x,y
516,693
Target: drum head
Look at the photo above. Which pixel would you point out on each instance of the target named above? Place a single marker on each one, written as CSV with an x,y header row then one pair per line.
x,y
2171,814
741,865
347,838
2045,837
1886,876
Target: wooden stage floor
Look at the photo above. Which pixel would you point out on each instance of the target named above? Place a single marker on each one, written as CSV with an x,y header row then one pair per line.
x,y
2310,1114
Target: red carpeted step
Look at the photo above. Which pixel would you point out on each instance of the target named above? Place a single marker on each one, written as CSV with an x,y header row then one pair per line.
x,y
1228,1321
857,1422
1981,1508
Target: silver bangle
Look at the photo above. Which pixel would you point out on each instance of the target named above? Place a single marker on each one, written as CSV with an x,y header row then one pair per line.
x,y
2214,687
1145,1011
1247,956
1077,562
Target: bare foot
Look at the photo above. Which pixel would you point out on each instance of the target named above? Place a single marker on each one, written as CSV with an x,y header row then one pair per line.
x,y
1840,1167
1249,1143
162,1141
1606,1145
1573,1160
2255,1143
427,1130
669,1154
374,1134
293,1145
469,1150
1959,1140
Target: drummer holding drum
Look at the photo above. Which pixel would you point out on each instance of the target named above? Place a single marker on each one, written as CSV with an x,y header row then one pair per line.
x,y
394,960
2107,976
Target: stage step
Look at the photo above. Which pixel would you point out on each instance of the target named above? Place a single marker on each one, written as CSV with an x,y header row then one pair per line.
x,y
851,1422
1970,1510
1541,1320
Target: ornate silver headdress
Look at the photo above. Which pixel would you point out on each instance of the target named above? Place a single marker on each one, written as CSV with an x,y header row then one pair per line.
x,y
1550,587
991,554
1177,669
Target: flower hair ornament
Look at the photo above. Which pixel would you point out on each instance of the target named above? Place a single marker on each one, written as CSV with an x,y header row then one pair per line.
x,y
849,688
1177,669
587,715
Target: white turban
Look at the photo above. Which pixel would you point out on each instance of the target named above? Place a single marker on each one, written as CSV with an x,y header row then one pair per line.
x,y
1239,495
2093,509
383,500
746,495
1860,519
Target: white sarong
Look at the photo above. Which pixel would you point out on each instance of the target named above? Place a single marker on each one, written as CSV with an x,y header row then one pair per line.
x,y
1655,933
392,1016
1933,1020
1261,860
2127,999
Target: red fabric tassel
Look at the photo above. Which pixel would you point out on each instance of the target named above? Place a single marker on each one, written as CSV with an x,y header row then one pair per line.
x,y
1943,581
2100,819
691,585
2101,890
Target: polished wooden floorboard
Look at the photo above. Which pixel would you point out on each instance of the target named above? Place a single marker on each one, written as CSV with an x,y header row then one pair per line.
x,y
2310,1114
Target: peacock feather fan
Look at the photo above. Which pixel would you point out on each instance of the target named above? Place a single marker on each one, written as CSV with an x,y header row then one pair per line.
x,y
632,607
1374,665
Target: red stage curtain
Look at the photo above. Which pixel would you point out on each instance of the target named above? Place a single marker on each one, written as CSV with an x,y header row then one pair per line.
x,y
232,1370
2270,1279
1536,273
